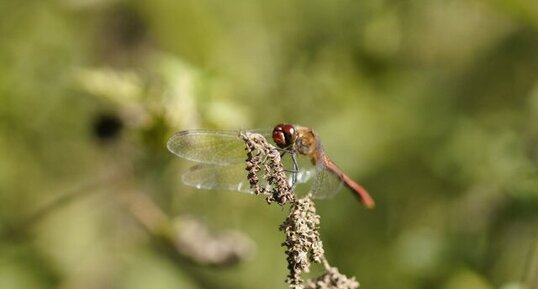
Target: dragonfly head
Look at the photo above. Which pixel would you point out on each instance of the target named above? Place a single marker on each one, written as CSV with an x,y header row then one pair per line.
x,y
284,135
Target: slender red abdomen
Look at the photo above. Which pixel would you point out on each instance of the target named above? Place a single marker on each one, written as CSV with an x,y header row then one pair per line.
x,y
362,194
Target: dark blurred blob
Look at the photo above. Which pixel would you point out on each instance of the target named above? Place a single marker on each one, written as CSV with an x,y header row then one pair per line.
x,y
107,127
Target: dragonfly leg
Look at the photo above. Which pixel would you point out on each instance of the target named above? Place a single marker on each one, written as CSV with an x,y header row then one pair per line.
x,y
294,171
295,168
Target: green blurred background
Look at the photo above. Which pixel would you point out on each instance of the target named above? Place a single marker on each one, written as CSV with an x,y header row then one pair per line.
x,y
431,105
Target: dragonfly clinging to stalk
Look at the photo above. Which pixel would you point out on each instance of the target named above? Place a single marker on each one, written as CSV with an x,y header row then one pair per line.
x,y
221,157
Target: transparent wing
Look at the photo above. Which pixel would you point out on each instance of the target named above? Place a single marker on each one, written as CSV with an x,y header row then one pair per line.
x,y
210,146
228,178
214,177
326,184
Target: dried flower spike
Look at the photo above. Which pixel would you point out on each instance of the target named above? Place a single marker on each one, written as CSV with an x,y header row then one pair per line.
x,y
253,163
263,159
303,241
332,279
303,244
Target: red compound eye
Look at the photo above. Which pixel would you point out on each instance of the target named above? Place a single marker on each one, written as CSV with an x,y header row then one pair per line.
x,y
284,135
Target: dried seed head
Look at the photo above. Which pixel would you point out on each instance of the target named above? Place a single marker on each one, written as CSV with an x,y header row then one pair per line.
x,y
281,191
253,164
263,159
332,279
303,241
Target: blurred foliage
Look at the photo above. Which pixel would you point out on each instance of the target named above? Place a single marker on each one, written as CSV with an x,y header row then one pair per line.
x,y
431,105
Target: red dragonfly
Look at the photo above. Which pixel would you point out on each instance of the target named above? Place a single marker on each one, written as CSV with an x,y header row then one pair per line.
x,y
221,156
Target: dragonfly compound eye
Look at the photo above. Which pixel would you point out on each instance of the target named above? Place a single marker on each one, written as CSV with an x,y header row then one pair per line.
x,y
284,135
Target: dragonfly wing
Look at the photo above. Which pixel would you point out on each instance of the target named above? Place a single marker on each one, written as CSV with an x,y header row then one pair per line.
x,y
231,177
214,177
326,184
305,175
210,146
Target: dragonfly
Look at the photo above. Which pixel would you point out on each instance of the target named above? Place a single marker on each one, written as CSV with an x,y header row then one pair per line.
x,y
220,157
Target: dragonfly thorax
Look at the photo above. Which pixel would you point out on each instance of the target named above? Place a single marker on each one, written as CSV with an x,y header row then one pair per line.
x,y
306,142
